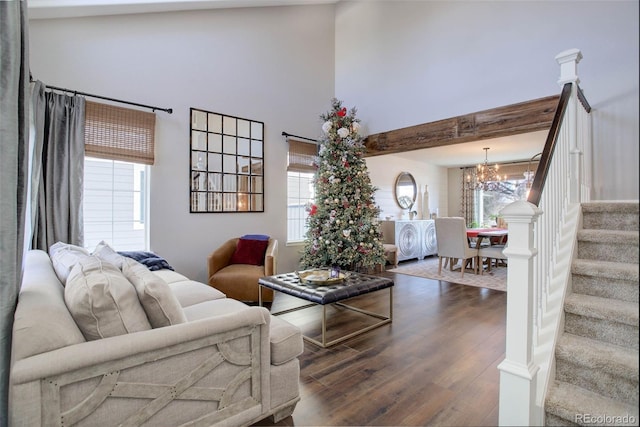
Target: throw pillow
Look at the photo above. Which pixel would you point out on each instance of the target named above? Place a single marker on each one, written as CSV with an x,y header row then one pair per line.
x,y
102,301
255,237
64,257
158,301
108,254
250,251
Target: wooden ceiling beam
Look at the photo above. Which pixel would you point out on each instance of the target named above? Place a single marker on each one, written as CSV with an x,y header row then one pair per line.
x,y
524,117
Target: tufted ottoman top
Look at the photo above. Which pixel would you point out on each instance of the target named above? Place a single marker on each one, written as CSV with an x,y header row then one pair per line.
x,y
353,285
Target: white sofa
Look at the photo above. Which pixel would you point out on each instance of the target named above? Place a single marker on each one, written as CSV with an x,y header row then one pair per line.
x,y
228,364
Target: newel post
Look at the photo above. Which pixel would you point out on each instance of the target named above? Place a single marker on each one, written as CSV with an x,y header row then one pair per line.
x,y
517,404
568,61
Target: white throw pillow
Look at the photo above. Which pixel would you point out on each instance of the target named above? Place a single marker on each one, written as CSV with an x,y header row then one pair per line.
x,y
158,301
64,257
107,253
102,301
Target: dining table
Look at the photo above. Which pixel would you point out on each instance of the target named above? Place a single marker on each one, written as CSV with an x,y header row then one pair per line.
x,y
496,236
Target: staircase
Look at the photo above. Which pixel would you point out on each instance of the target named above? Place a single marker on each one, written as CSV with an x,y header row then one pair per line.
x,y
596,381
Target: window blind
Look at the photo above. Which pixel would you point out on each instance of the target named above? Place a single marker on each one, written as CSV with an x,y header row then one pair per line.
x,y
118,133
302,156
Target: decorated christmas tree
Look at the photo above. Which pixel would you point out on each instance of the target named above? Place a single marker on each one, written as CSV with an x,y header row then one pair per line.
x,y
343,229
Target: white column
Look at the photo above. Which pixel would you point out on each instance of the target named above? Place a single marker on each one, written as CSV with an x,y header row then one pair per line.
x,y
517,404
568,61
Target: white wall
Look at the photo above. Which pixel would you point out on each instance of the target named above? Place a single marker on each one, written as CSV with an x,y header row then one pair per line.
x,y
268,64
400,63
405,63
385,169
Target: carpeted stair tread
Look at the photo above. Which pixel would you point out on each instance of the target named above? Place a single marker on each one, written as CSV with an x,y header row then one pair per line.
x,y
629,207
617,237
603,308
606,269
609,288
596,357
567,401
594,354
611,215
611,207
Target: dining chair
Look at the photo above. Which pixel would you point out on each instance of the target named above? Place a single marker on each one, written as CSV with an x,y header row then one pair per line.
x,y
494,252
451,235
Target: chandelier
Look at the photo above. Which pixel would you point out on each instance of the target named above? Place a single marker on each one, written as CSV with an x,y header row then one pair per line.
x,y
486,177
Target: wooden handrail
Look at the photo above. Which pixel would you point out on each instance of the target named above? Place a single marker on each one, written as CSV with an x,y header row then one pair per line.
x,y
552,138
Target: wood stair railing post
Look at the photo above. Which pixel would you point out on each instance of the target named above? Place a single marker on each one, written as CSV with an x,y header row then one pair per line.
x,y
568,61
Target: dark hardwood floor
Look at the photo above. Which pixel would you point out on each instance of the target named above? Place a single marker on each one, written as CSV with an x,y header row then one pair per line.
x,y
434,365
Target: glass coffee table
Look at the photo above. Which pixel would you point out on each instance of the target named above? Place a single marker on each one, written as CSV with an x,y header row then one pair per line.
x,y
353,285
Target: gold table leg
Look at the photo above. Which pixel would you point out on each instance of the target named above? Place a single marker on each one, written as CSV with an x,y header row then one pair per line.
x,y
384,319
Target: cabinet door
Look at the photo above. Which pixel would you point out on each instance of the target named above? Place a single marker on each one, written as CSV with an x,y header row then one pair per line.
x,y
408,239
429,243
388,229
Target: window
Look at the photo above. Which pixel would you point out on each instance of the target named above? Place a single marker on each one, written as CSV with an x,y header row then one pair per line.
x,y
300,189
115,205
119,147
490,202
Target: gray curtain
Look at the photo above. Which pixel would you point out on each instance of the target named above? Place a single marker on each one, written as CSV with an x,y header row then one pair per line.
x,y
14,133
468,205
57,168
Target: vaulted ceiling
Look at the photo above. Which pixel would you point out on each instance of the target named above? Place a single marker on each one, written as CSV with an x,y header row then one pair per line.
x,y
516,147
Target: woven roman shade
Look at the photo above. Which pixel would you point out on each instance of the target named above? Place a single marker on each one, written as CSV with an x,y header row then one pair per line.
x,y
118,133
302,156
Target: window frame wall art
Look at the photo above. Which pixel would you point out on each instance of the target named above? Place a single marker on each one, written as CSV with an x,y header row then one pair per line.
x,y
226,163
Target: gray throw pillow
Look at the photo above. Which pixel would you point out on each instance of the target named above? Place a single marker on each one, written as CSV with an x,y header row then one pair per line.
x,y
102,301
108,254
159,302
64,257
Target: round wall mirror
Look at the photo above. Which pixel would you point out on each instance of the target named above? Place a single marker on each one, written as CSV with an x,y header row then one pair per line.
x,y
406,190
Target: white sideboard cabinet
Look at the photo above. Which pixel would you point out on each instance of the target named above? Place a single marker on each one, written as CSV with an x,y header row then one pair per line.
x,y
413,238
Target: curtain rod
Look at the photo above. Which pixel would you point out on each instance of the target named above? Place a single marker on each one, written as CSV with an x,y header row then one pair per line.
x,y
75,92
301,137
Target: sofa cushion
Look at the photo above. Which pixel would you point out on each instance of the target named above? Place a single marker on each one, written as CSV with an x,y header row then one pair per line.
x,y
170,276
108,254
42,321
189,292
249,251
64,257
158,301
213,308
102,301
285,340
